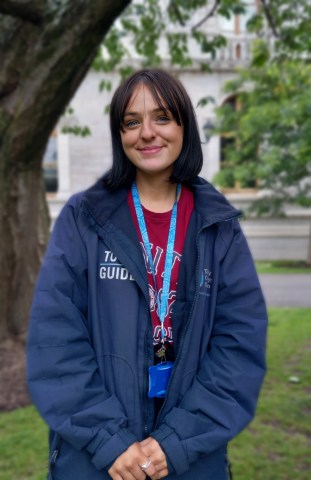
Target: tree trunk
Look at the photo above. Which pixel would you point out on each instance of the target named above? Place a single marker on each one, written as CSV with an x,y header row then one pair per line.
x,y
46,48
24,232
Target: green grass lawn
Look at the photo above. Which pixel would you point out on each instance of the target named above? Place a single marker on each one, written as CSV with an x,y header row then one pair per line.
x,y
282,266
274,447
23,445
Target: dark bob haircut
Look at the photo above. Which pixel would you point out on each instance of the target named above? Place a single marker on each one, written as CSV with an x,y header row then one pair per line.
x,y
169,94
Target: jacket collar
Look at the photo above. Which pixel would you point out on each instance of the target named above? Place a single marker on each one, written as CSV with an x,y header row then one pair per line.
x,y
212,206
101,203
109,214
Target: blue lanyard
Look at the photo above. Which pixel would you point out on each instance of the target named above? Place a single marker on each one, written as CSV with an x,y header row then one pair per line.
x,y
163,302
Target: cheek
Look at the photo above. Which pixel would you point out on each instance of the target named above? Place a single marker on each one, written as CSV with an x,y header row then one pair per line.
x,y
128,139
176,134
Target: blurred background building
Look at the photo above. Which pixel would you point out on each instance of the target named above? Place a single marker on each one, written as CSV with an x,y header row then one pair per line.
x,y
73,163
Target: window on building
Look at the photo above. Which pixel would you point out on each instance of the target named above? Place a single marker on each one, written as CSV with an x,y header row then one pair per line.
x,y
50,171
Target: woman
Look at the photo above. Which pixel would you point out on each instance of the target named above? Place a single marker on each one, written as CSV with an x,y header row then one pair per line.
x,y
147,336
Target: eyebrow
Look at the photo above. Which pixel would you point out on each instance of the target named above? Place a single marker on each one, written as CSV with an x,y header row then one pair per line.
x,y
156,110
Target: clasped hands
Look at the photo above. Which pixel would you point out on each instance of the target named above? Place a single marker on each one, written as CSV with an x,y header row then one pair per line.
x,y
140,460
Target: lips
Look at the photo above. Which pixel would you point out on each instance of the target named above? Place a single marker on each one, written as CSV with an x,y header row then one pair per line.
x,y
150,149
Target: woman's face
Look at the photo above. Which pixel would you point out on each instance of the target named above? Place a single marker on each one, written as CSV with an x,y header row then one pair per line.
x,y
151,138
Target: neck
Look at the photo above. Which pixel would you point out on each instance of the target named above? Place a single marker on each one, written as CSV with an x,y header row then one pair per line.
x,y
157,195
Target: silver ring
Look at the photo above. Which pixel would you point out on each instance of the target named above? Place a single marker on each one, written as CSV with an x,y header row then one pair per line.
x,y
146,465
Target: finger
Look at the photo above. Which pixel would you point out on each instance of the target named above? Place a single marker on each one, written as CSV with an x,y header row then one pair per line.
x,y
131,461
138,473
126,470
158,457
152,448
160,474
145,442
151,471
127,475
114,475
163,473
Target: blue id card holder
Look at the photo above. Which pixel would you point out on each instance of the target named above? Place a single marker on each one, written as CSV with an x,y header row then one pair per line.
x,y
159,376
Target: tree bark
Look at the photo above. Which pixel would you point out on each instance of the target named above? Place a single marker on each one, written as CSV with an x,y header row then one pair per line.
x,y
46,48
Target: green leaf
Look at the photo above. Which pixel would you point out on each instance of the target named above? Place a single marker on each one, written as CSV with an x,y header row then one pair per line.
x,y
260,53
105,85
76,130
255,23
205,101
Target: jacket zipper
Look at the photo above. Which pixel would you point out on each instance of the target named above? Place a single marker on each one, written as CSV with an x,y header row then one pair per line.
x,y
190,314
185,329
146,375
55,453
54,458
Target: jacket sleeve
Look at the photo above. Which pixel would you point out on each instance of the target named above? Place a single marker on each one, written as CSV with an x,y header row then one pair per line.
x,y
63,377
222,398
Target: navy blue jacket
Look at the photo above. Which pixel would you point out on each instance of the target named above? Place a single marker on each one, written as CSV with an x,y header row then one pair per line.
x,y
90,339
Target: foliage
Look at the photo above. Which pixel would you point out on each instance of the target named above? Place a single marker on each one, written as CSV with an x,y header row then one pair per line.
x,y
269,122
288,23
76,130
274,446
271,130
176,26
147,28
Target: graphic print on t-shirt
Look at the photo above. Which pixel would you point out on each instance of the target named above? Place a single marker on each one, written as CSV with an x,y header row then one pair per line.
x,y
158,255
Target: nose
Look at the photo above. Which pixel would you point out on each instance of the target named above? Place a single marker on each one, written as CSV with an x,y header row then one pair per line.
x,y
148,131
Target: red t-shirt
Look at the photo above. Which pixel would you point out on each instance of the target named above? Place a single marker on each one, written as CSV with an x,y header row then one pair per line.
x,y
158,227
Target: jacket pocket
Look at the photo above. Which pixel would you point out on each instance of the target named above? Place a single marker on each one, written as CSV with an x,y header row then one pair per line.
x,y
119,380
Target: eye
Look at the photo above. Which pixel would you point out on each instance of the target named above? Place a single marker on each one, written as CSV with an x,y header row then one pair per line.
x,y
163,119
131,123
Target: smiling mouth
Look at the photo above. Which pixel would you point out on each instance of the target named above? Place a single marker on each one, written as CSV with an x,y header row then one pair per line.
x,y
151,149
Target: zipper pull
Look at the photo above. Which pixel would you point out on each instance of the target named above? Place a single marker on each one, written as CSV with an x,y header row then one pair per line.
x,y
54,457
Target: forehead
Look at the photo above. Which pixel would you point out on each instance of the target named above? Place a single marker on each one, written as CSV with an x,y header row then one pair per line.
x,y
143,99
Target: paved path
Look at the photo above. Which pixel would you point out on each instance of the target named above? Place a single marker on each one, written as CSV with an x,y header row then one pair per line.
x,y
287,290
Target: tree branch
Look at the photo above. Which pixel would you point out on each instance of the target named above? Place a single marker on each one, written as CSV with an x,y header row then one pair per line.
x,y
269,17
30,11
207,16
